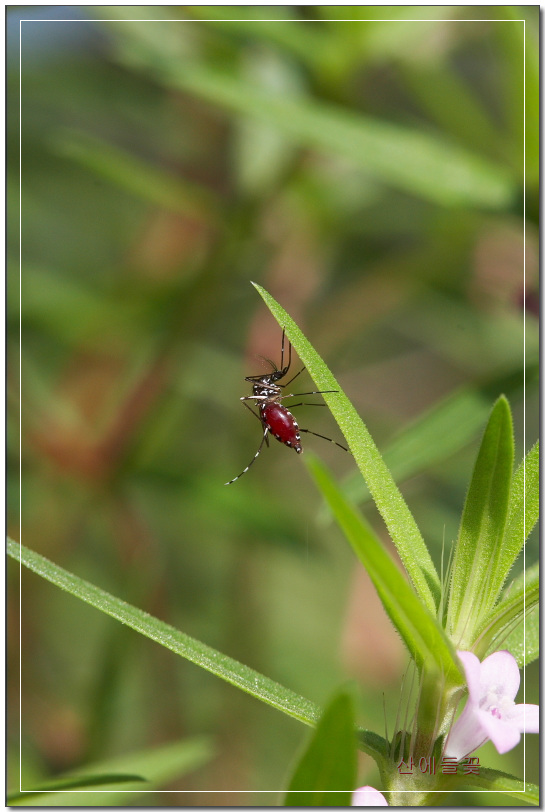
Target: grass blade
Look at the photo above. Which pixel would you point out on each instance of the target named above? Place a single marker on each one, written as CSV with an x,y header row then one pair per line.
x,y
237,674
387,496
418,629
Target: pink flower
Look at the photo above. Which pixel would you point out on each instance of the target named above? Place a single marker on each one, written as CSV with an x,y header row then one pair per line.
x,y
368,796
490,712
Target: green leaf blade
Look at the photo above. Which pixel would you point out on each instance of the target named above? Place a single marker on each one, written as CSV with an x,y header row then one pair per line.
x,y
387,496
511,624
420,632
225,667
522,515
473,592
326,773
228,669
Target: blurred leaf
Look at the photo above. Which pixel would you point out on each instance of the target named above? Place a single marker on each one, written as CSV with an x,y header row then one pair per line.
x,y
452,105
454,330
303,41
50,298
237,674
134,175
419,630
520,84
157,766
326,773
262,154
412,160
472,595
388,499
72,783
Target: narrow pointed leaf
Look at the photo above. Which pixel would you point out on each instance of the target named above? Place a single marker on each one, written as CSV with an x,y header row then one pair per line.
x,y
420,632
326,773
521,517
387,496
238,674
504,627
472,595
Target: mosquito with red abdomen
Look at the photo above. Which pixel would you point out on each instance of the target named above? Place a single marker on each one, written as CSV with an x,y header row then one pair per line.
x,y
275,418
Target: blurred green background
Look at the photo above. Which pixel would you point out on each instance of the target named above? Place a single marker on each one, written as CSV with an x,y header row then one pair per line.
x,y
367,170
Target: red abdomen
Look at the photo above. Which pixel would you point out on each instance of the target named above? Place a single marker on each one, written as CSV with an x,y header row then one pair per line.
x,y
281,423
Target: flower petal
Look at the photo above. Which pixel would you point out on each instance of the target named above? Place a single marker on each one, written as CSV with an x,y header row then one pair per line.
x,y
472,668
500,670
368,796
466,734
525,718
503,735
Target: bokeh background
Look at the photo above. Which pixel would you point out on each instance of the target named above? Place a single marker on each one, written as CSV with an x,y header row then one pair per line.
x,y
364,164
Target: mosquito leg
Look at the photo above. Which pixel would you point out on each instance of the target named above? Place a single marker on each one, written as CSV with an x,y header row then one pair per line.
x,y
283,385
282,367
259,418
293,405
308,431
252,411
253,460
303,394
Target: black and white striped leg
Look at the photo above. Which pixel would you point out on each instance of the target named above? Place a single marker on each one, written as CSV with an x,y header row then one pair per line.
x,y
255,414
254,459
308,431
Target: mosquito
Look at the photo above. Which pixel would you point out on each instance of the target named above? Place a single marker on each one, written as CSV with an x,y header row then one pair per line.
x,y
274,417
